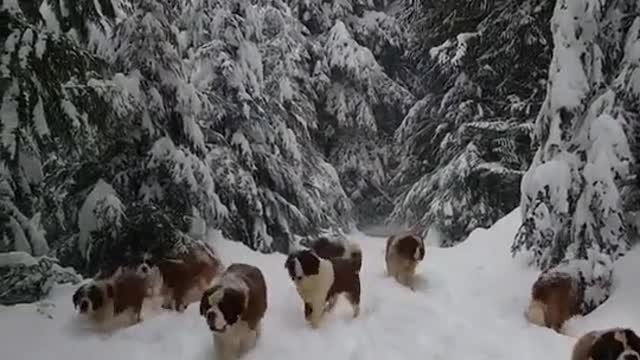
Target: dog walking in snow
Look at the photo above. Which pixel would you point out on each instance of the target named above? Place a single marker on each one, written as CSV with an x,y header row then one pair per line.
x,y
320,281
114,302
233,308
403,253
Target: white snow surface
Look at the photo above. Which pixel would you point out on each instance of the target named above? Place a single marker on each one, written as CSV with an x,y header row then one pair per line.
x,y
469,305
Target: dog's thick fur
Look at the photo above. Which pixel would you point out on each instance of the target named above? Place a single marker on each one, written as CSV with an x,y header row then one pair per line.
x,y
349,250
554,300
233,308
183,280
403,253
320,281
610,344
113,302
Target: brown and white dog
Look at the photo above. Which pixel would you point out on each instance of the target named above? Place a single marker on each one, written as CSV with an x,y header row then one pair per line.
x,y
403,253
327,249
320,281
610,344
554,300
183,280
115,301
233,308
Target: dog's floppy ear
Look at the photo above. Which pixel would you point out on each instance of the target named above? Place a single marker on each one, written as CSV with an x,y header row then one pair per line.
x,y
310,263
289,265
633,341
76,297
606,347
212,295
204,302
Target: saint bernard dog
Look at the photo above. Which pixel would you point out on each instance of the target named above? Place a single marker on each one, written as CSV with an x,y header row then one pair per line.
x,y
183,280
610,344
115,301
403,253
554,300
233,308
320,281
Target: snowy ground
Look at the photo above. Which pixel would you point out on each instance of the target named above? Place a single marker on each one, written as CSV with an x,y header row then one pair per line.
x,y
469,306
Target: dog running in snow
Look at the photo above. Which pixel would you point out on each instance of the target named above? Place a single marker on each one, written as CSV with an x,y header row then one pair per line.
x,y
320,281
115,301
233,308
403,253
554,300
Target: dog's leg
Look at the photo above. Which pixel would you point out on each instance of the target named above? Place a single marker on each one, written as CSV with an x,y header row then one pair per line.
x,y
179,298
400,278
308,309
404,278
354,298
167,300
181,307
317,310
137,310
411,280
258,330
225,349
331,303
250,341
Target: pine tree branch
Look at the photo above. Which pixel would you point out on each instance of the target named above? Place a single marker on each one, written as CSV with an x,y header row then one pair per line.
x,y
382,192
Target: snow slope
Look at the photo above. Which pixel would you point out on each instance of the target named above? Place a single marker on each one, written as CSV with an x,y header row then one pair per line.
x,y
469,305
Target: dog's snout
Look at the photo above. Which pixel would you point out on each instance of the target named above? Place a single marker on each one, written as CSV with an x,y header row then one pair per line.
x,y
144,268
84,306
211,317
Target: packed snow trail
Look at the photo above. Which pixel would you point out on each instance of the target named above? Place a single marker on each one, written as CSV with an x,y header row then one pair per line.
x,y
468,305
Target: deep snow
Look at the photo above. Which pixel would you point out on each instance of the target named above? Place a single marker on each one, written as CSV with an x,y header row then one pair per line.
x,y
469,305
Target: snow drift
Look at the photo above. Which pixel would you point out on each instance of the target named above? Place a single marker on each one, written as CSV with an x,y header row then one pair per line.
x,y
469,305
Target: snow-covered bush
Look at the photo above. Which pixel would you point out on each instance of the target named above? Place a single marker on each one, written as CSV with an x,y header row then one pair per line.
x,y
24,278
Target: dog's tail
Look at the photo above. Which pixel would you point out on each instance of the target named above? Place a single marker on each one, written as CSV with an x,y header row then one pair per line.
x,y
354,254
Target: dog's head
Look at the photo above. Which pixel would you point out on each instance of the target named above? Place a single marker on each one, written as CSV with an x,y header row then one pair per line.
x,y
411,247
91,297
223,306
301,264
620,344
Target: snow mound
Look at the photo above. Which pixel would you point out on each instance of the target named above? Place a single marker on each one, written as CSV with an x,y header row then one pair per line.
x,y
469,305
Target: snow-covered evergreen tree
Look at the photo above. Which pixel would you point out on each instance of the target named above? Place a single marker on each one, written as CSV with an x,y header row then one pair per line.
x,y
571,202
362,106
469,134
48,114
252,61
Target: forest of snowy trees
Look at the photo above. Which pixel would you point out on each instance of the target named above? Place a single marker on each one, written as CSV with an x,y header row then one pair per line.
x,y
132,126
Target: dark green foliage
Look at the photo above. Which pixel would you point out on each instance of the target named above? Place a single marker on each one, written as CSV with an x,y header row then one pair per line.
x,y
469,136
24,279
